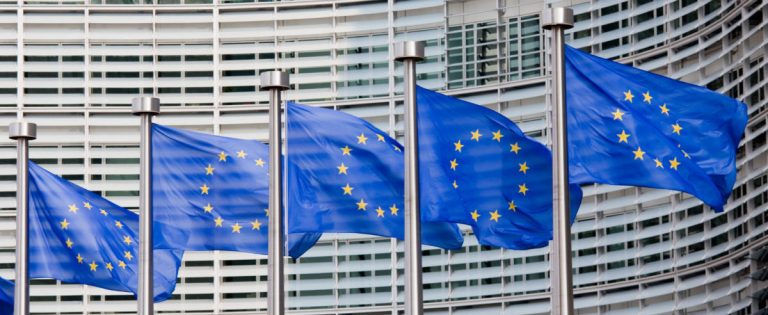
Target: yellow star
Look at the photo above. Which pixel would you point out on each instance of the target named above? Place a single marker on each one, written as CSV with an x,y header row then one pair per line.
x,y
393,209
522,189
673,164
109,266
255,225
87,205
495,215
80,259
524,167
236,228
457,145
639,153
362,205
69,243
476,135
475,215
118,224
618,115
512,205
219,222
346,150
664,109
204,189
658,163
64,224
266,212
454,164
676,128
127,255
222,157
342,169
514,148
241,154
209,170
362,139
73,208
208,208
347,189
647,97
497,135
455,185
379,137
259,162
396,148
121,264
623,136
103,212
685,154
93,265
628,96
127,240
379,212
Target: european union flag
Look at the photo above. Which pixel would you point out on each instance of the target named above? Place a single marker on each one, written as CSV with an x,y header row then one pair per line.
x,y
479,168
77,236
211,193
6,297
345,175
627,126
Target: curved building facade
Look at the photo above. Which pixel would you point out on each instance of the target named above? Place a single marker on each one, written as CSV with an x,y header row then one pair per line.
x,y
72,66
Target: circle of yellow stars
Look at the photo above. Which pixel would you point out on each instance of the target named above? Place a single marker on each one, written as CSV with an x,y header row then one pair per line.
x,y
514,148
675,129
347,190
210,170
94,266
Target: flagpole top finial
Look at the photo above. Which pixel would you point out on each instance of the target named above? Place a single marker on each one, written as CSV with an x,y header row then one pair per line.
x,y
279,80
553,17
22,130
409,50
145,105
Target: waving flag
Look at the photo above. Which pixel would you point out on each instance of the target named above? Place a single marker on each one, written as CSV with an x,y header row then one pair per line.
x,y
478,168
345,175
76,236
6,297
631,127
211,193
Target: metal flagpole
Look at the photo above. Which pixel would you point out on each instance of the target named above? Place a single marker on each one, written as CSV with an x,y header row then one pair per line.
x,y
557,20
275,82
409,53
146,107
22,132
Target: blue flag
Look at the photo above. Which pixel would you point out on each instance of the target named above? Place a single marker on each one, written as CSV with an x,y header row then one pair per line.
x,y
211,193
630,127
345,175
478,168
76,236
6,297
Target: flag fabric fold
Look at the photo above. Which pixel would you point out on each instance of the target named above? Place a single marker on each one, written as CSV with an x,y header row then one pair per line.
x,y
6,297
478,168
211,193
76,236
631,127
346,175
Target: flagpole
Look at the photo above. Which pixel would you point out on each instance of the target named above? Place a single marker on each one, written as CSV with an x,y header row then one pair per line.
x,y
145,107
22,132
557,20
275,82
409,53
